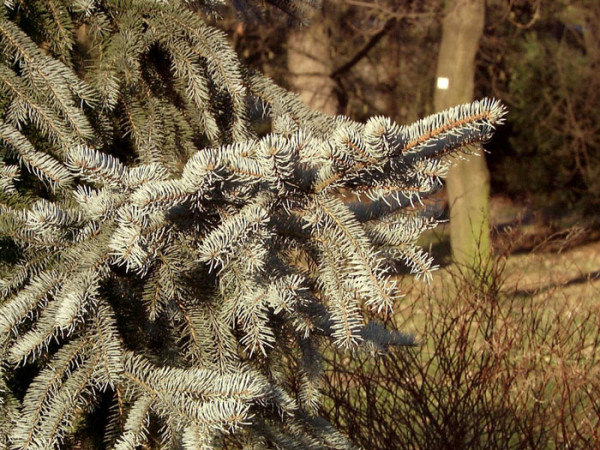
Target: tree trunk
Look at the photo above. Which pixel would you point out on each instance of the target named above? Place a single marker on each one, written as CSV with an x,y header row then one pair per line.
x,y
310,66
468,180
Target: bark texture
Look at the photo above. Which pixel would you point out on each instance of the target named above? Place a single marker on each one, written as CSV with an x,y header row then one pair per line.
x,y
468,180
310,66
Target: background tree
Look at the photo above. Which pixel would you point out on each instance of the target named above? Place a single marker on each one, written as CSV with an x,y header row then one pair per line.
x,y
468,180
310,63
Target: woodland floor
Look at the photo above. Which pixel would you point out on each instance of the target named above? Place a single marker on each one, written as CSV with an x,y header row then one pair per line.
x,y
545,261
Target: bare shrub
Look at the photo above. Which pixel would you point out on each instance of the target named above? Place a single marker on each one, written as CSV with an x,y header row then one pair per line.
x,y
492,371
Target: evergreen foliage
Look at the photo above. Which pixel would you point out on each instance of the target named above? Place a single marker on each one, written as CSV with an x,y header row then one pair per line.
x,y
545,68
166,268
563,104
